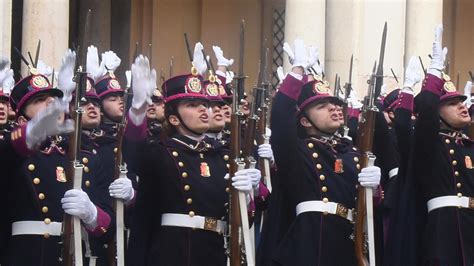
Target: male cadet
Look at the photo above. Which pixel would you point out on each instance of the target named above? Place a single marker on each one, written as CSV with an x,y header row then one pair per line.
x,y
443,166
319,172
38,189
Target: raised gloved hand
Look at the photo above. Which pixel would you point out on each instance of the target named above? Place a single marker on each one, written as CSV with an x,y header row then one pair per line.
x,y
77,203
47,123
4,64
111,60
143,85
438,55
66,75
96,70
229,76
298,56
281,74
370,176
7,80
122,189
467,93
221,60
313,57
198,59
242,181
412,75
353,101
44,69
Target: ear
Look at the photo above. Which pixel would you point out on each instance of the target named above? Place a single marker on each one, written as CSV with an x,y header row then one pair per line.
x,y
173,120
22,120
304,122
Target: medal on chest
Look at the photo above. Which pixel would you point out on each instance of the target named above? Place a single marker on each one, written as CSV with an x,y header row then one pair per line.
x,y
338,166
468,162
60,174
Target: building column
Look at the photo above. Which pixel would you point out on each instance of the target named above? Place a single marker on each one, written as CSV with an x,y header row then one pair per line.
x,y
47,21
421,19
306,19
5,27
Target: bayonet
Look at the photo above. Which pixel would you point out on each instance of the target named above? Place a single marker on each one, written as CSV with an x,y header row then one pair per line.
x,y
22,57
31,60
379,75
422,66
188,48
471,76
348,85
394,76
171,66
38,47
457,80
240,79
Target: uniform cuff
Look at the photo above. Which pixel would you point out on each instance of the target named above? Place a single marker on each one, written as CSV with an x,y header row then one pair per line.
x,y
103,223
18,139
291,86
404,101
433,84
136,132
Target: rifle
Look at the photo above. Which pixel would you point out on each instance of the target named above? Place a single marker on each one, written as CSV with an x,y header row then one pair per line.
x,y
238,217
364,218
72,251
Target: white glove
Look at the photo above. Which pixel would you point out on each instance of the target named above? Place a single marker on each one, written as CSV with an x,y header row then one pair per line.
x,y
242,181
46,123
370,176
268,132
143,85
198,59
229,76
66,74
467,93
111,61
77,203
4,64
300,55
8,80
44,69
438,54
221,60
122,189
287,49
412,74
128,75
265,151
95,69
313,56
281,74
353,101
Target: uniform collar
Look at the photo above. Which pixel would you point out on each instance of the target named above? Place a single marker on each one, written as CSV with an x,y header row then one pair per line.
x,y
196,145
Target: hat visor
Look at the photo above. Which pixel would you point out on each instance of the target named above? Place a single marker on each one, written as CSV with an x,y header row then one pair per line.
x,y
450,96
183,96
25,99
107,93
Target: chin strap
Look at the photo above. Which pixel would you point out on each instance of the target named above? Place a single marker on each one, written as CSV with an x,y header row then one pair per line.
x,y
315,127
448,125
185,126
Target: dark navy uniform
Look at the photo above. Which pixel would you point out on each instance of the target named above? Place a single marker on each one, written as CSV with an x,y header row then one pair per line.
x,y
307,172
443,167
183,177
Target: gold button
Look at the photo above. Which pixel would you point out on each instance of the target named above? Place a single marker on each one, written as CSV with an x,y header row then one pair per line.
x,y
459,195
181,164
458,185
44,209
456,173
451,151
447,141
86,169
315,155
175,153
187,187
36,181
322,177
47,221
184,174
310,145
227,189
85,160
358,166
228,165
324,189
88,183
226,157
189,201
319,166
191,213
325,200
41,196
354,148
31,167
115,150
201,156
455,162
46,235
356,159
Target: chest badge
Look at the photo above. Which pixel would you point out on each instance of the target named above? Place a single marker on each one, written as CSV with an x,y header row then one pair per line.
x,y
60,174
338,166
468,162
205,171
